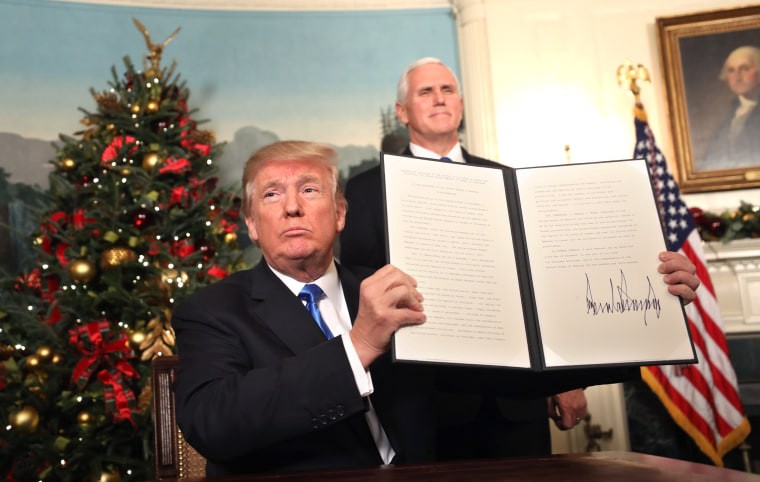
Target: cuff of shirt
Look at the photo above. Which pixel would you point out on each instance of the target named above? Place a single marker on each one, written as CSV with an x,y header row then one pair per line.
x,y
361,376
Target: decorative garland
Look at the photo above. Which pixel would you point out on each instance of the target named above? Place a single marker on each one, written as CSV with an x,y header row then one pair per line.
x,y
740,223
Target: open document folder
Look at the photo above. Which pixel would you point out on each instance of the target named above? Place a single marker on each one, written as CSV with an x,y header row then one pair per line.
x,y
536,268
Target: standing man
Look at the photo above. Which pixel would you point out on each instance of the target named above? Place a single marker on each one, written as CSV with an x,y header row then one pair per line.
x,y
736,142
430,104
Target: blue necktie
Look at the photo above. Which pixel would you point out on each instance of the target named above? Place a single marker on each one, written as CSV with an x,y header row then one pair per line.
x,y
447,159
311,294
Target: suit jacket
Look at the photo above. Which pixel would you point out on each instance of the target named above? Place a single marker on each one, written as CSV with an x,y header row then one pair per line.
x,y
259,389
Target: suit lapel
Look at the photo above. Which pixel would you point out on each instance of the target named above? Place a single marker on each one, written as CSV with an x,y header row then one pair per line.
x,y
283,313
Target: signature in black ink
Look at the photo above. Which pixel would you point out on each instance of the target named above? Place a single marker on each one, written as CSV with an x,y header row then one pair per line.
x,y
620,301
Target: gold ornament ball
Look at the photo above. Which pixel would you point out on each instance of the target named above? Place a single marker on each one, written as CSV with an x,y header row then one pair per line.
x,y
27,419
152,106
84,418
230,238
82,270
45,353
135,109
125,171
109,476
56,359
32,362
38,240
150,161
136,338
116,256
67,164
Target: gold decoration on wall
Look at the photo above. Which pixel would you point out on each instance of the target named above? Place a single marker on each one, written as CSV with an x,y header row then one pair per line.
x,y
629,75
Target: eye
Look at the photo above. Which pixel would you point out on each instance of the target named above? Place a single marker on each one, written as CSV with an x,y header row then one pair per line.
x,y
270,196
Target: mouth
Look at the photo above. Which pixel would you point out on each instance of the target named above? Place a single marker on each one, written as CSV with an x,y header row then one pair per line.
x,y
295,231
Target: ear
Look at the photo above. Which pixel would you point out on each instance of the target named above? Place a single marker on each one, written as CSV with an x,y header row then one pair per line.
x,y
341,208
401,113
251,224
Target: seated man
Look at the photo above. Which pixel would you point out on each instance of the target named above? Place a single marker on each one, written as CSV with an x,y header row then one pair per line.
x,y
285,366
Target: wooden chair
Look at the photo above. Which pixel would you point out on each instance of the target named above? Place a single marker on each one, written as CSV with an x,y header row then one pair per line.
x,y
174,457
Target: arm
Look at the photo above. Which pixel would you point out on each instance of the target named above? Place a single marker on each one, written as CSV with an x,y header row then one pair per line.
x,y
238,391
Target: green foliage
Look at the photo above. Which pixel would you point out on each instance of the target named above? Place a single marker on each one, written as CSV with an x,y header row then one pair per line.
x,y
740,223
132,222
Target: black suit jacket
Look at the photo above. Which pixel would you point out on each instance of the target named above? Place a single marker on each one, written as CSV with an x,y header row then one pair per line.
x,y
259,388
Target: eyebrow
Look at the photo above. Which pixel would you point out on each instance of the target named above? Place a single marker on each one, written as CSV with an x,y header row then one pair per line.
x,y
303,179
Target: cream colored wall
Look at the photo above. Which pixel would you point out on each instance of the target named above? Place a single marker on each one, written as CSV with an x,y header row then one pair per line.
x,y
549,74
552,73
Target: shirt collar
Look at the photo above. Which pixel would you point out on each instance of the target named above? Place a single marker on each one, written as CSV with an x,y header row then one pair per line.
x,y
455,154
329,282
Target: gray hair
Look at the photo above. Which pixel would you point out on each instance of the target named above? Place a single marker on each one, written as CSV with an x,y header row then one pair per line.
x,y
748,50
402,89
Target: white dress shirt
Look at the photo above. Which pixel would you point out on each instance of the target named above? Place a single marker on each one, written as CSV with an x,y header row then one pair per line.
x,y
455,154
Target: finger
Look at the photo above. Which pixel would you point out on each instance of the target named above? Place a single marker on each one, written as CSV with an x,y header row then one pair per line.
x,y
682,291
672,262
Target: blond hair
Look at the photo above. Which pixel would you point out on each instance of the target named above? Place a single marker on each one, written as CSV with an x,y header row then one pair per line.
x,y
290,151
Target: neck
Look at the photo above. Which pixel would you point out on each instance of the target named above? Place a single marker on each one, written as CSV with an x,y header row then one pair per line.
x,y
304,270
441,145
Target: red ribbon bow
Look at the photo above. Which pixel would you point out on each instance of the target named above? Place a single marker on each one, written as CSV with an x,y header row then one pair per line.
x,y
102,348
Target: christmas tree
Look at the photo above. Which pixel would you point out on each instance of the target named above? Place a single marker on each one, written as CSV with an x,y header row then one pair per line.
x,y
135,223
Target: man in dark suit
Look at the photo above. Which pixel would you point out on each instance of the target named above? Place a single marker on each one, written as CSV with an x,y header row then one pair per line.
x,y
430,104
285,366
259,387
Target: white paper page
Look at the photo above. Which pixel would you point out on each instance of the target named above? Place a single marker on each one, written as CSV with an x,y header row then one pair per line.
x,y
448,227
593,235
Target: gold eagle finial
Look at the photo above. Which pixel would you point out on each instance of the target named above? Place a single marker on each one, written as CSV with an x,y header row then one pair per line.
x,y
152,61
629,75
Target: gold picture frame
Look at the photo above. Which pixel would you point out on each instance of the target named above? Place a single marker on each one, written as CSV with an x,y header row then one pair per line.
x,y
694,49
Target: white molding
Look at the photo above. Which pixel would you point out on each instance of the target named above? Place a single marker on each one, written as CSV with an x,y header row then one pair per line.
x,y
271,5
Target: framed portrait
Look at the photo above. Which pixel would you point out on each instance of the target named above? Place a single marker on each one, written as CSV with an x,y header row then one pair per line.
x,y
711,62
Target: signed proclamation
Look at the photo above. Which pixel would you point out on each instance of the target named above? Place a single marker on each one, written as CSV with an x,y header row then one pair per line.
x,y
536,268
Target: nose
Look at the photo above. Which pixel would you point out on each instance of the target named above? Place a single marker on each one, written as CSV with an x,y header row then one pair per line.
x,y
292,204
438,97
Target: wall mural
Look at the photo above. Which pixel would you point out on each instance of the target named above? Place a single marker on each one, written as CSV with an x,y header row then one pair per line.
x,y
257,76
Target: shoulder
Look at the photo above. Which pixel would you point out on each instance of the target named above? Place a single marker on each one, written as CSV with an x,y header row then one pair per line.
x,y
481,161
366,178
233,286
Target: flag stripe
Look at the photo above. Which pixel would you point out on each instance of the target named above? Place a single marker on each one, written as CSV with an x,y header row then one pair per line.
x,y
703,398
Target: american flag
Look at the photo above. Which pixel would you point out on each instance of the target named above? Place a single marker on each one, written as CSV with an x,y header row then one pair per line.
x,y
703,398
